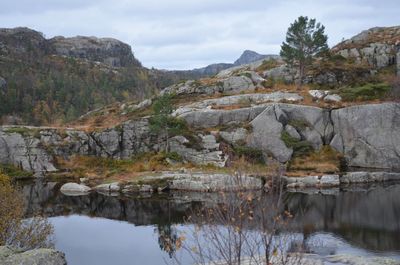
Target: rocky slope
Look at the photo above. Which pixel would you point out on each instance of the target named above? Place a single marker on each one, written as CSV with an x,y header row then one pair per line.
x,y
367,135
241,107
378,47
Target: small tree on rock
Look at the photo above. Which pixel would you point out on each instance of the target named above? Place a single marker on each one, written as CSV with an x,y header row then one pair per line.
x,y
162,123
305,40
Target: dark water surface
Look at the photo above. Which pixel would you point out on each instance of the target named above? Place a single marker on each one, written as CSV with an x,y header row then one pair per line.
x,y
98,229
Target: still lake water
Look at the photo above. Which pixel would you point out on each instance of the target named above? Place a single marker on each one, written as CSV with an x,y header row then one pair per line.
x,y
98,229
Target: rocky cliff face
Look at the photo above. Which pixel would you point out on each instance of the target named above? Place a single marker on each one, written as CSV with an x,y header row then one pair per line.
x,y
19,41
106,50
367,135
376,46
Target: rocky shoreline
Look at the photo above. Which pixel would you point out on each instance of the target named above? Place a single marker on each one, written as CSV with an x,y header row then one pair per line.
x,y
213,182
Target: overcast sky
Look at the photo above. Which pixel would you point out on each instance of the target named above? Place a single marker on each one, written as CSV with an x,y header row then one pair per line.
x,y
184,34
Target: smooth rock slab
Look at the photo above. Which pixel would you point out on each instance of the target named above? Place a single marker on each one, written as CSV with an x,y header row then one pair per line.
x,y
368,177
212,182
325,181
74,189
109,187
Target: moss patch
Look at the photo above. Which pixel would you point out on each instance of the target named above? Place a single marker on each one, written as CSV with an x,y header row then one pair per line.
x,y
251,154
14,172
300,148
24,131
365,92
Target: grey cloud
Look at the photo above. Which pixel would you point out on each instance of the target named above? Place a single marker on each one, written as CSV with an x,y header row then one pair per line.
x,y
192,33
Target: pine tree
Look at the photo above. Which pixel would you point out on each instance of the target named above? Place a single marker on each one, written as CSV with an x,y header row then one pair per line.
x,y
305,40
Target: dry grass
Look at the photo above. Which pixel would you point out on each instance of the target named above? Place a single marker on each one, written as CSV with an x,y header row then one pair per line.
x,y
97,168
325,160
388,35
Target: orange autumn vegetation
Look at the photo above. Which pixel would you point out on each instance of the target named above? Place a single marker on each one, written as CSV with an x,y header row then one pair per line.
x,y
324,161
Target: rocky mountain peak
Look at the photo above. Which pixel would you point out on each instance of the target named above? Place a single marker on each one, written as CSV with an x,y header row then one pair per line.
x,y
23,41
106,50
249,56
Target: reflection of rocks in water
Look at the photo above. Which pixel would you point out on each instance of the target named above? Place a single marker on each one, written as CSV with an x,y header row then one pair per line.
x,y
368,218
44,198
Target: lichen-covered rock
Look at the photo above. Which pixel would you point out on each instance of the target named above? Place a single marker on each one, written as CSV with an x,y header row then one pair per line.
x,y
368,135
31,257
234,136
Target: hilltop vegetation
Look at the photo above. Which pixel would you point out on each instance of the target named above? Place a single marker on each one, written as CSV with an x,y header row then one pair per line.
x,y
53,81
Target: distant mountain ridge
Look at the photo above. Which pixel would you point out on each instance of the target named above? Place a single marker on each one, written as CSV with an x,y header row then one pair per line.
x,y
246,57
249,56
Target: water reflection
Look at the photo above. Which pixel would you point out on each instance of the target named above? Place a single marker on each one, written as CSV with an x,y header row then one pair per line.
x,y
366,219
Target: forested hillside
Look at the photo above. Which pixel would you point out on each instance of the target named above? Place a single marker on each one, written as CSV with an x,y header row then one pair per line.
x,y
51,81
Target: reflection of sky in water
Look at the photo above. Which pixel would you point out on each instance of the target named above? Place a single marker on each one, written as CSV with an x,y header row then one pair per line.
x,y
100,241
358,220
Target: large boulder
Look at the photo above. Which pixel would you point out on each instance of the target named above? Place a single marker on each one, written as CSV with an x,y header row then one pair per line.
x,y
368,135
72,189
266,135
237,84
31,257
282,72
304,123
